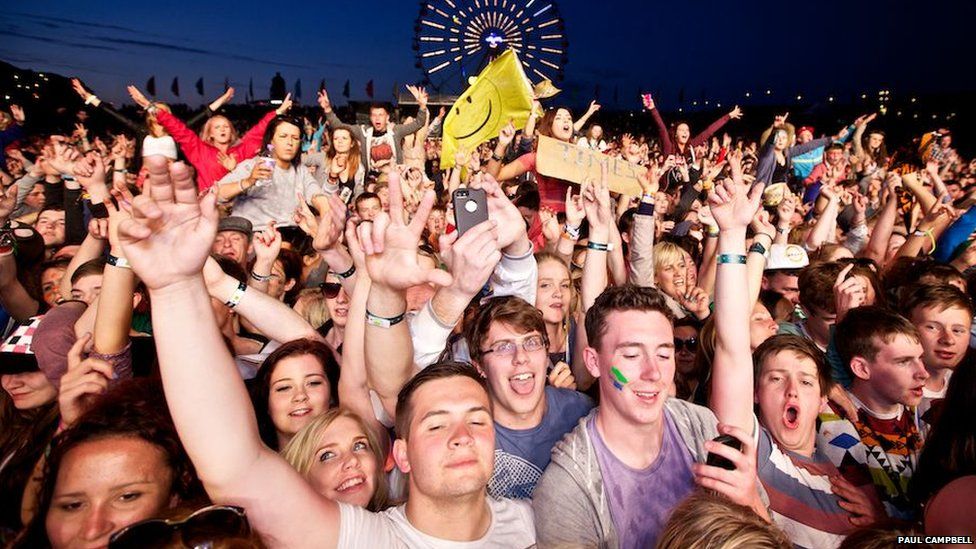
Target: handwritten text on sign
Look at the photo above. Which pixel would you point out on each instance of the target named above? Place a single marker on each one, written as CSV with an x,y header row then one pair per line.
x,y
569,162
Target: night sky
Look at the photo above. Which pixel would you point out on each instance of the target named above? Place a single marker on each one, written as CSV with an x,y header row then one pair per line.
x,y
710,49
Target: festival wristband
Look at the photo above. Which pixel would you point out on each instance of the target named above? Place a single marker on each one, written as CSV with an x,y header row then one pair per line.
x,y
236,297
758,248
382,322
118,262
346,274
737,259
260,278
598,246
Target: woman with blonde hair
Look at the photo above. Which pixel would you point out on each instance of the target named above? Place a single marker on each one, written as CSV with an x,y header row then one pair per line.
x,y
342,458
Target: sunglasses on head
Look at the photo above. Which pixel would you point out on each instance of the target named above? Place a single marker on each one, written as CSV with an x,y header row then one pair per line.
x,y
330,289
201,529
691,343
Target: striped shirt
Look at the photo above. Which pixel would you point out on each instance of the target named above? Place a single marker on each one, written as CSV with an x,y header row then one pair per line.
x,y
801,501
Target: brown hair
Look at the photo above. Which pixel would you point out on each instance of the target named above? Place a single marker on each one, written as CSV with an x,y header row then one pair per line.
x,y
943,296
801,347
352,165
261,387
510,310
816,283
864,328
622,298
300,451
439,370
706,520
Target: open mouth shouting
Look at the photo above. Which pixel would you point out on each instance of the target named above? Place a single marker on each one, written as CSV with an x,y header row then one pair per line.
x,y
791,416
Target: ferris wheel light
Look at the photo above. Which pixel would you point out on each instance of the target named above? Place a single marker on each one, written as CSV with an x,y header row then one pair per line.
x,y
543,10
432,24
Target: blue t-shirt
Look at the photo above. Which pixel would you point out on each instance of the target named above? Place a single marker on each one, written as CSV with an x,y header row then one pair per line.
x,y
522,455
641,501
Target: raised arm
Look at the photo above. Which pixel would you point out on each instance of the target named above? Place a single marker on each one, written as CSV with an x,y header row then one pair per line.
x,y
392,259
333,120
704,136
167,241
641,251
877,247
596,203
662,130
732,379
578,125
510,170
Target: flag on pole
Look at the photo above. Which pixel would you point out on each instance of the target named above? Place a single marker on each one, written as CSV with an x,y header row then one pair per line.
x,y
345,90
175,88
250,90
298,89
151,85
200,85
369,89
499,94
321,85
226,83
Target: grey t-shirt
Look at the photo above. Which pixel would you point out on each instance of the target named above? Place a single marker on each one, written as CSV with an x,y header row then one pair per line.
x,y
275,200
642,500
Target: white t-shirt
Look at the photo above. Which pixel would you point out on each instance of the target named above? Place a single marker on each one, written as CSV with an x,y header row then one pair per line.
x,y
512,527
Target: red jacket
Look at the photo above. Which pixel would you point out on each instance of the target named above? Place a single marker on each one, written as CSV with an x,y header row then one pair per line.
x,y
203,155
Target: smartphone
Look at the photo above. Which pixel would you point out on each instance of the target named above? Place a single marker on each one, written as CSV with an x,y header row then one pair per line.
x,y
470,208
345,193
719,461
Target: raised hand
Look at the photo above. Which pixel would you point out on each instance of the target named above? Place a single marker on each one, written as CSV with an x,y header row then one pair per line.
x,y
169,236
785,210
594,106
285,105
511,225
735,113
390,244
80,90
324,102
138,96
575,214
89,170
596,203
18,113
267,244
8,201
82,383
648,101
507,133
472,257
762,225
64,158
420,94
330,225
734,206
780,120
550,225
650,180
223,99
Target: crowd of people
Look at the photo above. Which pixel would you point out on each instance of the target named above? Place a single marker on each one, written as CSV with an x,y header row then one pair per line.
x,y
219,334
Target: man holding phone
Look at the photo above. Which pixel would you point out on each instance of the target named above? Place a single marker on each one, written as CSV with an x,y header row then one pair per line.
x,y
790,379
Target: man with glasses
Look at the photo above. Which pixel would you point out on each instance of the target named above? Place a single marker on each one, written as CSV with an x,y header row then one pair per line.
x,y
507,342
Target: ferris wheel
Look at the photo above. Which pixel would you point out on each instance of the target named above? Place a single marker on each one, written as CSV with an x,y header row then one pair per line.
x,y
455,39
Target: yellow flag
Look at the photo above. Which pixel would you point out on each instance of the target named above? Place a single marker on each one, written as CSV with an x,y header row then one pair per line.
x,y
501,93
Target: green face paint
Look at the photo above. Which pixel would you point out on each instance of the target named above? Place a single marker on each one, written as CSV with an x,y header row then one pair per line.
x,y
618,374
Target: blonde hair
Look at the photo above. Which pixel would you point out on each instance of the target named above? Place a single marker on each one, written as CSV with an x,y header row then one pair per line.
x,y
300,451
706,520
666,254
573,304
315,310
206,134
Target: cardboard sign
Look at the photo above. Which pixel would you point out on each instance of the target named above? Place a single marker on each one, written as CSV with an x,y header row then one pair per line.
x,y
569,162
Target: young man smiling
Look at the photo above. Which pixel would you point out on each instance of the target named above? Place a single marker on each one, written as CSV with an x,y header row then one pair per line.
x,y
507,341
883,353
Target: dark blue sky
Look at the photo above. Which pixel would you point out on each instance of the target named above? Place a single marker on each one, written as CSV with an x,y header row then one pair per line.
x,y
719,49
